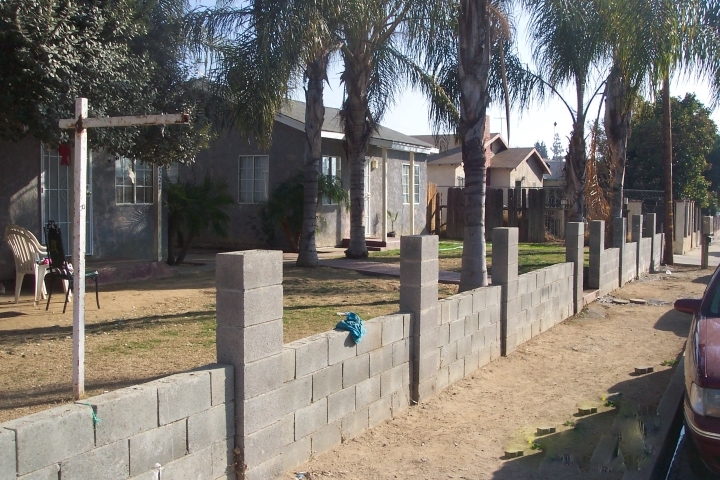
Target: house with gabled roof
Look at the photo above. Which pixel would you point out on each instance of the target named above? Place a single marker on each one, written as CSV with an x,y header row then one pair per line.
x,y
253,173
508,167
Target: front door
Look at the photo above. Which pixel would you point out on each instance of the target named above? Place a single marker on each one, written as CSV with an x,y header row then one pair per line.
x,y
56,197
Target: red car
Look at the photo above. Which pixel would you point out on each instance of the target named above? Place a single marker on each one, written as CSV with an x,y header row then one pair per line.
x,y
702,377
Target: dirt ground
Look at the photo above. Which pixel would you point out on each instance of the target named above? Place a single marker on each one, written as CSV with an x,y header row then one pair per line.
x,y
464,431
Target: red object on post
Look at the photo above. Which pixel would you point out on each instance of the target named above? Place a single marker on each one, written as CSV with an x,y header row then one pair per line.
x,y
64,151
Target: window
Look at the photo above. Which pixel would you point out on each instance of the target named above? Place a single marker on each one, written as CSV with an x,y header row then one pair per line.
x,y
253,180
460,182
331,171
406,183
133,182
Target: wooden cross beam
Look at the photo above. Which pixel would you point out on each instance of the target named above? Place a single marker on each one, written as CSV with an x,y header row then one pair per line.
x,y
80,124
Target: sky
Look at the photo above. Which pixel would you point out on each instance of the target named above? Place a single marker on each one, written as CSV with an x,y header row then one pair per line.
x,y
409,114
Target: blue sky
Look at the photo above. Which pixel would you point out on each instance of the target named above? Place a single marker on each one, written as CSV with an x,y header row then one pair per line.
x,y
409,114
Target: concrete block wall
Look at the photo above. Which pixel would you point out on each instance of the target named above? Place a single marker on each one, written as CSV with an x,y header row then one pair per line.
x,y
629,263
178,427
469,333
604,263
334,390
546,298
644,255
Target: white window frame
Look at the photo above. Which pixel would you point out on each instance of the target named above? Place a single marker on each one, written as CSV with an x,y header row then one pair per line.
x,y
406,186
129,177
330,167
260,168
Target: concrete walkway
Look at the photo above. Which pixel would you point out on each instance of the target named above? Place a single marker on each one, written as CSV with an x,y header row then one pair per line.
x,y
693,256
381,268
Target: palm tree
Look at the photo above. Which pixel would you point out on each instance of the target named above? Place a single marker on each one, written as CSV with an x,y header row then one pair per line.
x,y
568,40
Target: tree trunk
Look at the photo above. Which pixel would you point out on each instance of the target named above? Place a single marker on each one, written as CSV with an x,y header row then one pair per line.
x,y
171,260
668,158
474,67
358,127
185,249
576,165
617,127
316,73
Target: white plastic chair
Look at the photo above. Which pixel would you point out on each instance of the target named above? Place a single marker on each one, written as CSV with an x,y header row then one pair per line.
x,y
27,252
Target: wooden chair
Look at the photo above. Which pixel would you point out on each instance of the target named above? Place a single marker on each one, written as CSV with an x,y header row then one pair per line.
x,y
59,267
29,257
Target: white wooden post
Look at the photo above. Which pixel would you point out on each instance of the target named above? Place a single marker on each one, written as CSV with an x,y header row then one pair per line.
x,y
412,193
80,124
78,254
384,222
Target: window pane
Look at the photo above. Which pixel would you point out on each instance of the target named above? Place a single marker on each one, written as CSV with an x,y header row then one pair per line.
x,y
406,183
417,184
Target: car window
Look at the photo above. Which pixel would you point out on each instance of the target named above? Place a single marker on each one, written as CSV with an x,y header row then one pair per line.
x,y
714,309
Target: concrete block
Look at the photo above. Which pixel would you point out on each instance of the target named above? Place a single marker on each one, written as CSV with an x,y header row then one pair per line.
x,y
472,363
381,359
400,353
457,371
443,335
428,365
372,338
222,385
427,389
263,445
391,380
354,424
425,320
427,341
479,299
453,308
242,345
444,306
223,459
484,356
357,369
297,394
8,466
191,467
341,346
418,247
41,439
311,418
380,411
327,381
414,272
296,453
477,341
448,354
442,379
341,404
124,413
416,298
248,269
48,473
161,445
210,426
367,392
260,412
457,330
311,355
243,308
288,428
472,323
400,401
261,376
273,468
326,438
409,318
464,346
392,329
182,395
465,306
109,462
288,360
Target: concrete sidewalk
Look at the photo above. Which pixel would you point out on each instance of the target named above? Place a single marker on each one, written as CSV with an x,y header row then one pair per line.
x,y
693,257
381,268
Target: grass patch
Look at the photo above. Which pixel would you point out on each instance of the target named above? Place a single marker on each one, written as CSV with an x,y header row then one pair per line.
x,y
131,346
531,256
669,363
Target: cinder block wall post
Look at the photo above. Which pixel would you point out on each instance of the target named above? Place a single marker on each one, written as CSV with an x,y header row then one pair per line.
x,y
619,238
419,296
636,236
505,273
250,337
597,247
575,253
649,225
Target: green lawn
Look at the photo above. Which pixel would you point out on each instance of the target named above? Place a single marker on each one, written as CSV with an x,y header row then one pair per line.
x,y
531,256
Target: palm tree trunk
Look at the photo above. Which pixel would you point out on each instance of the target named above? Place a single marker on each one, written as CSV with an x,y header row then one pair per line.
x,y
668,159
474,67
617,127
314,116
171,260
576,165
185,249
358,126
